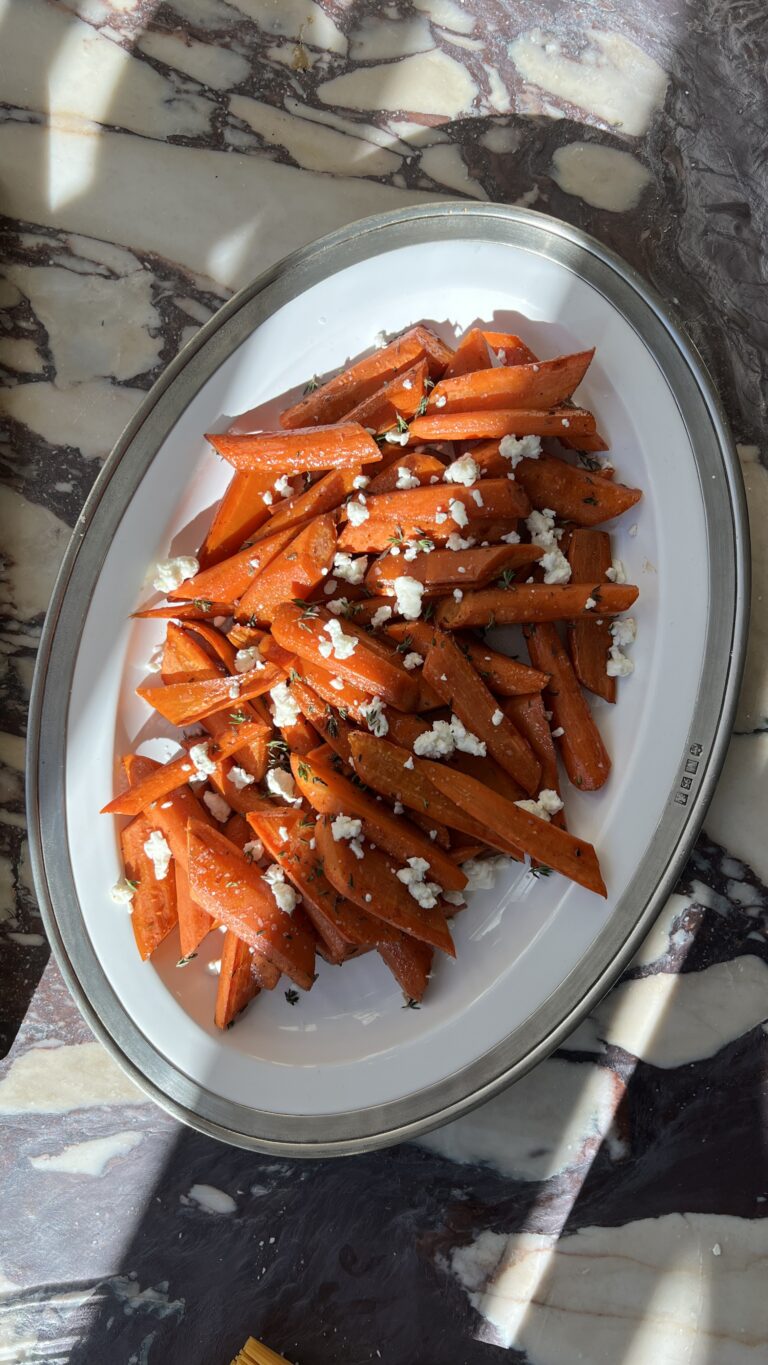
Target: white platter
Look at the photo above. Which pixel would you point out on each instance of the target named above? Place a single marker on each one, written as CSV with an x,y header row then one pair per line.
x,y
348,1068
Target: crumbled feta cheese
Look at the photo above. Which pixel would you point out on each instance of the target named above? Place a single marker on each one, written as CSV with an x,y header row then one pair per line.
x,y
398,808
624,633
458,512
497,717
514,450
170,573
435,743
285,709
589,604
397,438
457,542
217,806
380,617
283,486
239,778
248,658
340,645
440,401
558,733
285,896
357,513
254,850
159,854
464,470
542,528
413,876
368,897
280,783
394,550
511,538
407,383
360,481
345,827
408,594
481,872
617,572
330,587
440,516
233,690
375,719
624,630
565,422
339,607
457,594
413,660
405,479
478,497
409,762
122,893
547,805
267,498
556,567
465,741
338,684
454,898
201,758
155,660
351,569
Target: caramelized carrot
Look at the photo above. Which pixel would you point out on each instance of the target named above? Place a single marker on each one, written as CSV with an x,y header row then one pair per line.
x,y
237,982
538,387
443,570
234,890
553,847
185,611
574,494
508,348
338,395
184,703
185,659
371,882
504,676
490,425
400,397
295,572
241,511
177,773
334,729
229,579
300,450
410,963
421,512
419,464
522,602
153,908
302,630
583,752
459,684
589,555
324,495
471,354
527,713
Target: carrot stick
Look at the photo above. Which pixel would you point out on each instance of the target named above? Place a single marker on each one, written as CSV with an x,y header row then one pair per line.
x,y
194,922
490,772
573,494
421,512
527,713
330,793
235,892
583,752
585,443
410,963
295,572
513,350
237,983
553,847
589,555
185,703
471,354
418,463
484,425
400,397
371,883
381,765
184,611
456,680
538,387
443,570
178,772
229,579
338,395
302,630
298,451
504,676
153,908
334,729
185,659
522,602
241,511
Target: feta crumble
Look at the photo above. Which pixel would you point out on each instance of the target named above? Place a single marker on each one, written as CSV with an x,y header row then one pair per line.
x,y
248,658
413,660
233,691
375,719
351,569
413,876
285,896
514,450
408,594
409,764
360,482
159,854
338,684
497,717
457,542
458,512
284,708
339,607
283,486
267,498
330,587
170,573
397,438
357,513
511,538
558,733
122,893
380,617
217,806
556,567
345,827
435,743
280,783
340,645
547,805
478,497
464,470
239,778
201,758
616,573
481,872
254,850
589,604
624,633
457,594
405,479
466,742
440,401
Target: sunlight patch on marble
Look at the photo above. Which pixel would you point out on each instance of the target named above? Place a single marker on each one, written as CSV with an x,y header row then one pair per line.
x,y
89,416
678,1287
657,943
91,1158
736,818
31,536
752,713
300,19
60,1080
669,1020
375,39
604,177
427,83
447,13
314,147
614,80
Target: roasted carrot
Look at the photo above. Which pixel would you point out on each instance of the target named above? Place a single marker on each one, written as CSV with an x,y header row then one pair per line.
x,y
234,890
237,982
229,579
538,387
194,922
504,676
419,512
490,772
185,611
455,679
330,793
522,602
241,511
300,450
508,348
334,728
185,703
295,572
303,631
418,464
572,493
185,659
583,752
490,425
338,395
527,713
153,908
553,847
410,963
471,354
589,555
324,495
442,570
177,773
400,397
371,882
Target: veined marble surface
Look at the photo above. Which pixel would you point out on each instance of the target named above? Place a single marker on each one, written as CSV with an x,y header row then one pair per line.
x,y
154,156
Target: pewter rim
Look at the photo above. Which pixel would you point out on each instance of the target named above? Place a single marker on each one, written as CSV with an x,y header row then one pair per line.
x,y
727,527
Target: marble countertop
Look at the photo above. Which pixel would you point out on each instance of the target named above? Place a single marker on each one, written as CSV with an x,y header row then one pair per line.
x,y
610,1207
